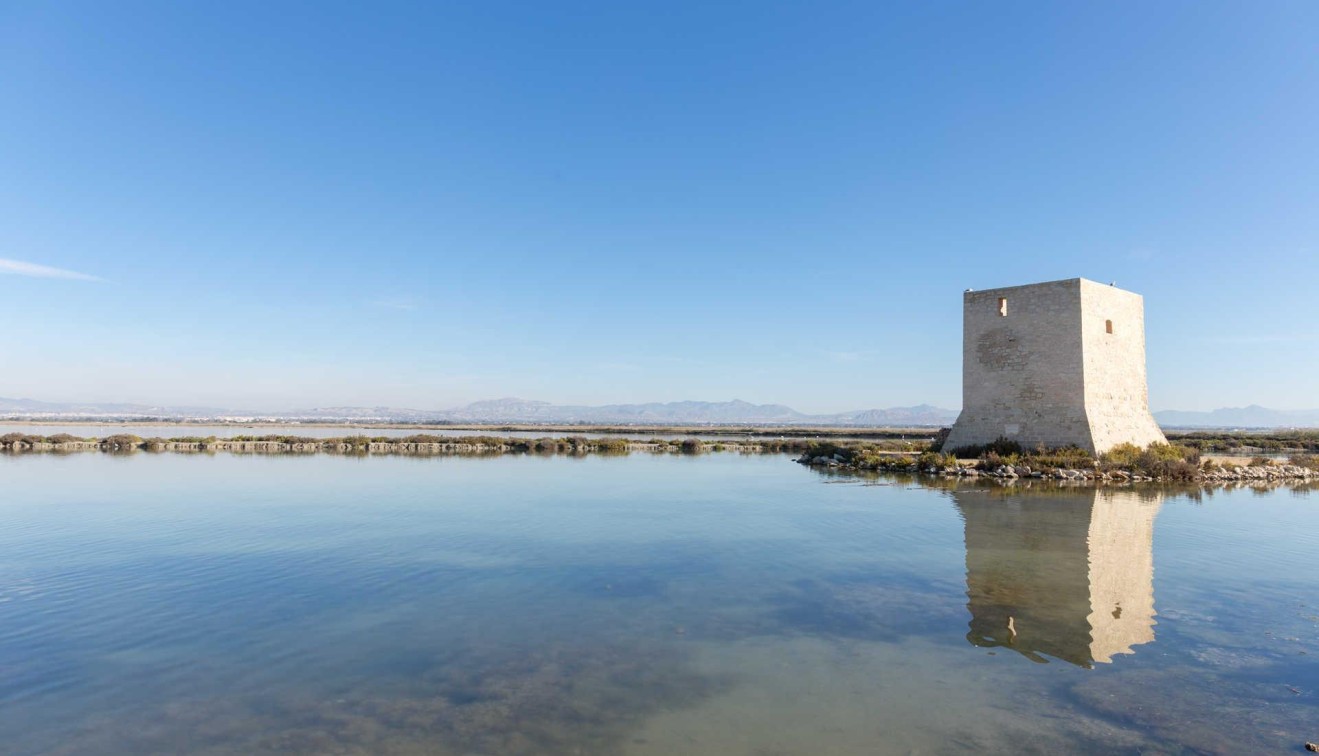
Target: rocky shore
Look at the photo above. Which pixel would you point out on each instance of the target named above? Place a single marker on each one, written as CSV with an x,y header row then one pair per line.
x,y
928,463
1209,473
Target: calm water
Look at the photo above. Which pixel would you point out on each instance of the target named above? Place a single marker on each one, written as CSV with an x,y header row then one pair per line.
x,y
719,604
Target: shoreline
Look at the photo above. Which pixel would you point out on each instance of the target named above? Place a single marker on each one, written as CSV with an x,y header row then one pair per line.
x,y
895,462
965,469
1226,443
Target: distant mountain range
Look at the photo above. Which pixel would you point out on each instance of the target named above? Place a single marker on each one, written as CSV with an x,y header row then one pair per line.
x,y
1253,416
736,412
510,410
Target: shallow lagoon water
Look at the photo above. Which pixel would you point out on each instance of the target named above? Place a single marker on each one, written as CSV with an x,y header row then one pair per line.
x,y
719,604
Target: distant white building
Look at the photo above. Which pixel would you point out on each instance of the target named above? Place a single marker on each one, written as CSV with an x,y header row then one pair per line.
x,y
1058,363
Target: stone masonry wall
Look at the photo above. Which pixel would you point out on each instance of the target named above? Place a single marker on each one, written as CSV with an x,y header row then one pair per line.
x,y
1022,373
1046,371
1116,389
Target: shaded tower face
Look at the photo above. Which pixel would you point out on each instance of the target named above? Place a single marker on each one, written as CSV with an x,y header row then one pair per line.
x,y
1059,363
1064,574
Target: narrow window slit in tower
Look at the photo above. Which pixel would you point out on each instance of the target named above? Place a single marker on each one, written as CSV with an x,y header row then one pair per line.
x,y
1003,306
1108,326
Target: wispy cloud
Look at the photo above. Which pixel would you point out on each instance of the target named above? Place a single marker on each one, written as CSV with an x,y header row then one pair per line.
x,y
20,268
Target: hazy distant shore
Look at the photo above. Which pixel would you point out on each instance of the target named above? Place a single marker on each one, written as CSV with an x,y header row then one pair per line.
x,y
767,431
883,456
420,444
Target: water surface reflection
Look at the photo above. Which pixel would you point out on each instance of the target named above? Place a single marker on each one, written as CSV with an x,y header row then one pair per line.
x,y
644,605
1062,573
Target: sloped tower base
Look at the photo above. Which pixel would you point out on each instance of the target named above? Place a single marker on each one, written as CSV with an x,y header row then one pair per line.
x,y
1054,364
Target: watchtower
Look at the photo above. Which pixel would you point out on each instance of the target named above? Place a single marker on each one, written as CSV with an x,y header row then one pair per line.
x,y
1058,363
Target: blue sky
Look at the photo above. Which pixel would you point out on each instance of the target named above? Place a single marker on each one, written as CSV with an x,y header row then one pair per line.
x,y
283,204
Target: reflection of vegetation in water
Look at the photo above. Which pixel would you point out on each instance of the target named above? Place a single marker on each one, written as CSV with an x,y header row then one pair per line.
x,y
414,445
1009,487
565,699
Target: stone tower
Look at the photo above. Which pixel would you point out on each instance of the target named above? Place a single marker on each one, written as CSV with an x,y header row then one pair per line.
x,y
1058,363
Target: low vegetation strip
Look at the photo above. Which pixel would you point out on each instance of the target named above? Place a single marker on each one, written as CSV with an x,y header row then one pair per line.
x,y
1006,459
1249,442
414,444
1002,459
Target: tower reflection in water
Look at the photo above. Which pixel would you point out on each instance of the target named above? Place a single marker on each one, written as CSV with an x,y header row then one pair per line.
x,y
1067,573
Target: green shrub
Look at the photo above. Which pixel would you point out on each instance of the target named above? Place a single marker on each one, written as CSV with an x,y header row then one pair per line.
x,y
1002,446
420,438
1121,457
612,445
1277,441
930,459
898,463
121,441
831,448
1175,453
1064,458
991,460
1168,461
